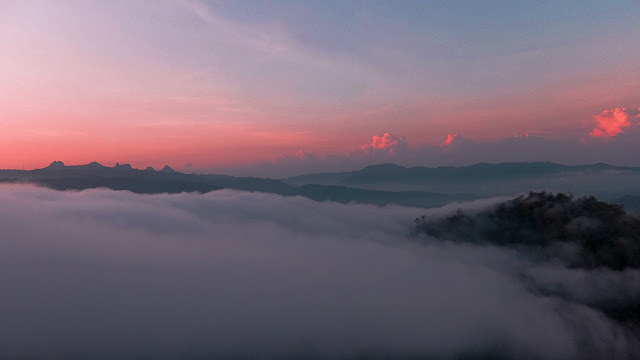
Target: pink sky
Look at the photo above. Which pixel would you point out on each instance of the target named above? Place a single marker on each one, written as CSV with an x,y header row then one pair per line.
x,y
179,82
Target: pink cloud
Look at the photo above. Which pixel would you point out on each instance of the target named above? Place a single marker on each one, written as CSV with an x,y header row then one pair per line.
x,y
448,140
387,142
612,122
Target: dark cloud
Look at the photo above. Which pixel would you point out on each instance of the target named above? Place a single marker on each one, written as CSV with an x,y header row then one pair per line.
x,y
105,274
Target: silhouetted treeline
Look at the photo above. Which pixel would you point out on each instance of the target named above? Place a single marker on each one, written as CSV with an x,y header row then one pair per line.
x,y
582,232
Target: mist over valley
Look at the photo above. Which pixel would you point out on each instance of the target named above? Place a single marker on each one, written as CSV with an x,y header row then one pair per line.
x,y
236,274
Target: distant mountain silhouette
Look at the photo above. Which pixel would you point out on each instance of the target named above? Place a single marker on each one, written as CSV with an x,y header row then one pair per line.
x,y
124,177
95,165
340,194
392,173
431,186
56,165
319,178
120,177
123,166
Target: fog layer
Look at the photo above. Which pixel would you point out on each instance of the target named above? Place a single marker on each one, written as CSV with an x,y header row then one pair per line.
x,y
108,274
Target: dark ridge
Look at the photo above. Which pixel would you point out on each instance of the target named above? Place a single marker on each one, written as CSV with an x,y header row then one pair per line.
x,y
56,165
383,167
95,165
149,168
123,166
339,194
149,181
481,172
581,232
167,169
138,184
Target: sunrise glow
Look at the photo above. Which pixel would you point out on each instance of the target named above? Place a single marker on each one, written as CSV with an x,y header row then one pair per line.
x,y
227,85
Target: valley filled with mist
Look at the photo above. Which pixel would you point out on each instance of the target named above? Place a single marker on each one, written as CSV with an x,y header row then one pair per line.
x,y
131,264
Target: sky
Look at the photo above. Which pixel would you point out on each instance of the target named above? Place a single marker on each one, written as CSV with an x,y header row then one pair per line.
x,y
244,86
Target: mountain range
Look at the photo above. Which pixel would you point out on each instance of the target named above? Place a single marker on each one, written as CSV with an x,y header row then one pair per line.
x,y
376,184
392,173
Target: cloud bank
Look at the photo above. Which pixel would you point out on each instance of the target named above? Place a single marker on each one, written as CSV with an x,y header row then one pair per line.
x,y
106,274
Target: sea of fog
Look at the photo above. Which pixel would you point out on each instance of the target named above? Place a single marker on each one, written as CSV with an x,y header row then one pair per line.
x,y
102,274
